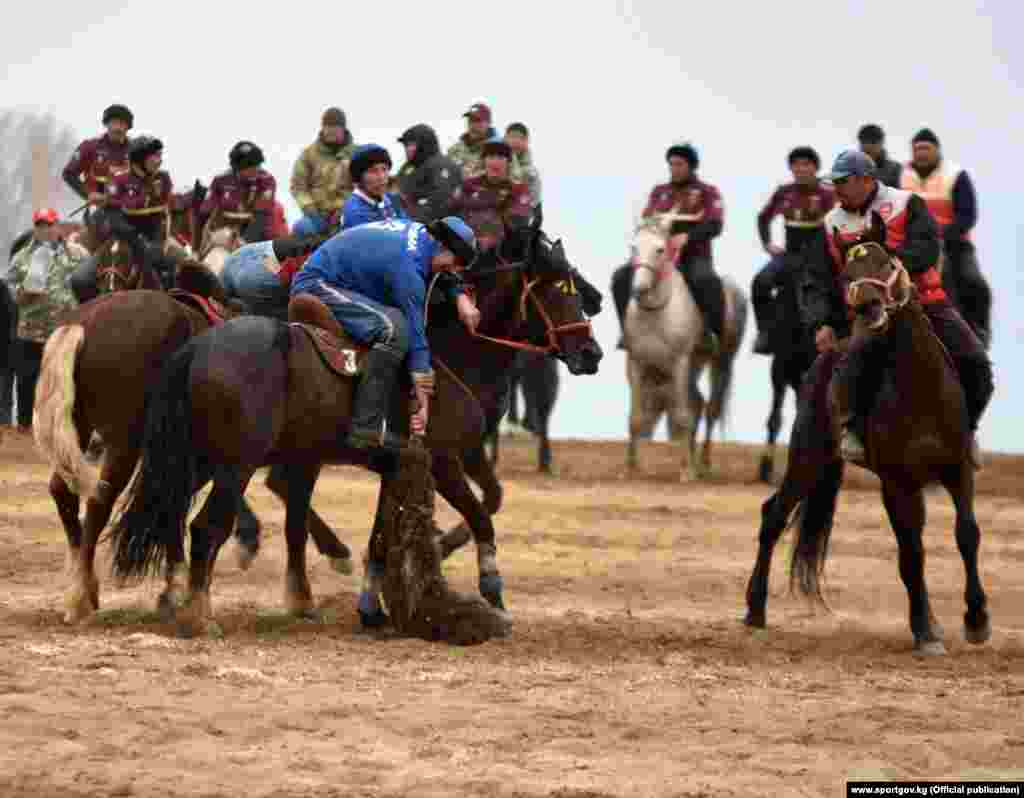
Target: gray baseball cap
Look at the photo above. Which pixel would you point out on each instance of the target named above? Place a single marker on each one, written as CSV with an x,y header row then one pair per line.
x,y
850,163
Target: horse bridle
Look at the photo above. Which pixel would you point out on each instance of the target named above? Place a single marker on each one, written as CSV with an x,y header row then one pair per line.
x,y
890,303
551,330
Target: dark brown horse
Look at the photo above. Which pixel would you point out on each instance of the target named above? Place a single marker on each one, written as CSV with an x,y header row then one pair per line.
x,y
95,372
255,392
917,434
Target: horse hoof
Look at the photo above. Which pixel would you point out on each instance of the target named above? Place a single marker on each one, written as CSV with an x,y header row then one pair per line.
x,y
930,648
246,554
755,620
976,635
79,607
166,606
374,620
341,565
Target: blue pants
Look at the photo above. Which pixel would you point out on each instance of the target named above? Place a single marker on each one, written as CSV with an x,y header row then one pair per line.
x,y
310,225
367,321
247,277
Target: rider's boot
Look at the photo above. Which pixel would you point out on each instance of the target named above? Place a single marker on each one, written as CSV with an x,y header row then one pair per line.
x,y
372,400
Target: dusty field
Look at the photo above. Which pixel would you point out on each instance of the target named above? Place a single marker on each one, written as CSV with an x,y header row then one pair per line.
x,y
627,674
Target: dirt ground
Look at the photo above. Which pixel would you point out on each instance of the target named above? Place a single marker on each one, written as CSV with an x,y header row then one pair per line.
x,y
627,672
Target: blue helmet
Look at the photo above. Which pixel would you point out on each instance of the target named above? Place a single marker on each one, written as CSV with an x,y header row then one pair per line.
x,y
456,235
365,156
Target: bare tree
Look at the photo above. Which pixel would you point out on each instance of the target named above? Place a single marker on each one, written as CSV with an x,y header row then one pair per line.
x,y
33,150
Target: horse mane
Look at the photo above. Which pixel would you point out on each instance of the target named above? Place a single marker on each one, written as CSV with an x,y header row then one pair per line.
x,y
199,279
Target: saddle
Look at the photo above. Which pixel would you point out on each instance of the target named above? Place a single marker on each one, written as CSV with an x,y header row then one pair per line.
x,y
213,310
337,350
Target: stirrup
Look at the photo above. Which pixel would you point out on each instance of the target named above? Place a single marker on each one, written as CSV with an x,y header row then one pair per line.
x,y
851,447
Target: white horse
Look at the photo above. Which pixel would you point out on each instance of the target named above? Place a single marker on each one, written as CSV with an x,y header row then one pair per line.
x,y
665,339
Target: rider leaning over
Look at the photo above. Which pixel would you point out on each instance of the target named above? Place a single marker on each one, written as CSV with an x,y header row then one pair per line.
x,y
374,278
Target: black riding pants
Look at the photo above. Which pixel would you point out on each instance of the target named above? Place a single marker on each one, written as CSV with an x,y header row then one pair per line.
x,y
968,288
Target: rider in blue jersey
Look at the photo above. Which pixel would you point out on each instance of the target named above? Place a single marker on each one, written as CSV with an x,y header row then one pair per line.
x,y
374,280
370,201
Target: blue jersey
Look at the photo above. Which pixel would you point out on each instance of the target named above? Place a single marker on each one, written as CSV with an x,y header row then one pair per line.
x,y
388,262
361,209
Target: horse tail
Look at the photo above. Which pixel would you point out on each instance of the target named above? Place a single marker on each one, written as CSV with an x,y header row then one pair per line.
x,y
728,357
53,414
814,518
160,496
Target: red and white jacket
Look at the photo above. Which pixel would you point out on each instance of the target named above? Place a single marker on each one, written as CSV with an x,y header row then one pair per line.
x,y
910,234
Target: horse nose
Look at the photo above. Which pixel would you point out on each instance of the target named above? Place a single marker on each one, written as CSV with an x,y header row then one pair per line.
x,y
589,357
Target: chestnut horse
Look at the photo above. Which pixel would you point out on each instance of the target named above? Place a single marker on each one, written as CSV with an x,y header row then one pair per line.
x,y
95,372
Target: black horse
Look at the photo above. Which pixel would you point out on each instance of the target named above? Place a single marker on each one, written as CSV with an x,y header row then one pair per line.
x,y
793,344
536,375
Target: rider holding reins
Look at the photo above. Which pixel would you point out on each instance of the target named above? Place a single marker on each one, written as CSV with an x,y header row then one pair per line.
x,y
699,208
802,205
912,236
242,197
97,160
136,213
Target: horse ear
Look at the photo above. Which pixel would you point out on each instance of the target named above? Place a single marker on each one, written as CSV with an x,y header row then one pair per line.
x,y
877,231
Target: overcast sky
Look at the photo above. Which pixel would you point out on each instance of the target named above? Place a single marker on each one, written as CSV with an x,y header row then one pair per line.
x,y
605,87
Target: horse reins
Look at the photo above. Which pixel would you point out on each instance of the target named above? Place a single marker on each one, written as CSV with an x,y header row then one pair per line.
x,y
551,330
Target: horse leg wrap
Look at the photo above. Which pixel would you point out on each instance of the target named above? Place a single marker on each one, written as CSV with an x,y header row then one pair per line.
x,y
491,584
371,613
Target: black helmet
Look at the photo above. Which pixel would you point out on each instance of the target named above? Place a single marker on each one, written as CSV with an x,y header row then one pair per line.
x,y
245,154
808,153
366,156
685,151
457,236
141,147
121,112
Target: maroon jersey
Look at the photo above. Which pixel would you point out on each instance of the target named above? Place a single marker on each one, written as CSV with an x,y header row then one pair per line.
x,y
95,162
236,198
143,199
488,206
803,209
699,206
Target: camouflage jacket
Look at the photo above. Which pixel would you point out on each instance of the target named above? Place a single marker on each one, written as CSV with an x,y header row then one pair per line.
x,y
468,155
523,165
39,314
321,177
